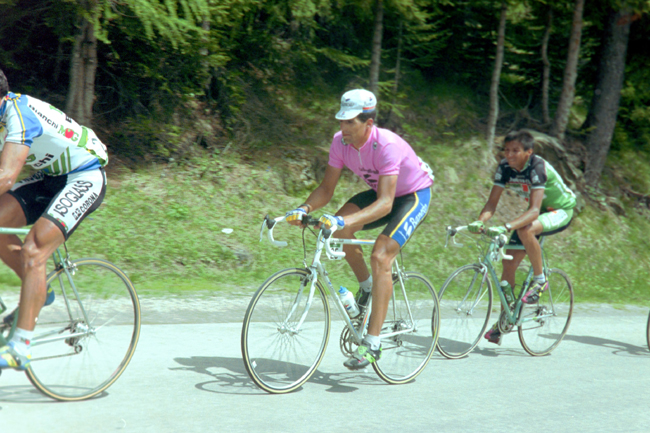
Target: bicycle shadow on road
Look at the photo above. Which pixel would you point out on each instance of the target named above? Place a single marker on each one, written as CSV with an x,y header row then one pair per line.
x,y
620,348
28,394
230,377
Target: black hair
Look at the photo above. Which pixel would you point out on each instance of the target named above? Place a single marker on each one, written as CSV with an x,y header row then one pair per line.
x,y
524,137
4,86
369,115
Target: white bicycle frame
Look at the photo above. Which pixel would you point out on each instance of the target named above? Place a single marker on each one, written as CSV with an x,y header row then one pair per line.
x,y
324,242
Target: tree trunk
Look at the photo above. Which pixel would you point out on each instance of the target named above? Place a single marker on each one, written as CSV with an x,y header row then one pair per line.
x,y
375,60
205,51
399,59
496,76
546,74
83,67
601,119
570,74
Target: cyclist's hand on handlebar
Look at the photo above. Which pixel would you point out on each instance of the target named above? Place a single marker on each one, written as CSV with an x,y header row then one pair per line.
x,y
294,217
330,221
476,227
496,231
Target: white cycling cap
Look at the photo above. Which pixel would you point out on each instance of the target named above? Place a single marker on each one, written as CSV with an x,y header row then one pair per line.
x,y
355,102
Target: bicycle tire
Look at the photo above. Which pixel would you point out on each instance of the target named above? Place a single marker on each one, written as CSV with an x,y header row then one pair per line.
x,y
81,367
647,331
550,316
404,356
465,307
278,359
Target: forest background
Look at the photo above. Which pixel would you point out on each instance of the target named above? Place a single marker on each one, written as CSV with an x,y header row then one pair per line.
x,y
216,113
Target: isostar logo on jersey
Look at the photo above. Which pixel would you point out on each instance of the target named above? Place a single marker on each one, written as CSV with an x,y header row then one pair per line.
x,y
74,195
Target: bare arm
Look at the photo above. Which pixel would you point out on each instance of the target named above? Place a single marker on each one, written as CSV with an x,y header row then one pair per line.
x,y
533,211
12,159
491,205
386,187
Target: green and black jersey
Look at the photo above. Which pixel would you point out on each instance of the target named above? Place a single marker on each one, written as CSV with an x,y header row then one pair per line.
x,y
537,174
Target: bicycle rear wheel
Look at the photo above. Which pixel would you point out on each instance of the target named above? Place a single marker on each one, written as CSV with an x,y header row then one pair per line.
x,y
465,306
82,344
647,331
281,353
544,324
413,320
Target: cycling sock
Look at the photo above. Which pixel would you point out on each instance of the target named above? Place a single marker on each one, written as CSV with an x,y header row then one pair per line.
x,y
373,340
21,340
366,286
539,278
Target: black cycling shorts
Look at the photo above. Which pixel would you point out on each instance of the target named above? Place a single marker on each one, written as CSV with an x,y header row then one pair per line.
x,y
406,215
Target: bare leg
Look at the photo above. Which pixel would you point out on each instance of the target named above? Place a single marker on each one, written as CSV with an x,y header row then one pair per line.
x,y
43,239
383,256
527,236
353,253
510,266
11,215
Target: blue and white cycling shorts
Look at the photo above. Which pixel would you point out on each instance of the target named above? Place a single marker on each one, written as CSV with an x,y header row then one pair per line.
x,y
65,200
406,215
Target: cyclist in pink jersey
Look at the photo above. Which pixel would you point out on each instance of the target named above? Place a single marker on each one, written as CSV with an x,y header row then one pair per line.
x,y
398,198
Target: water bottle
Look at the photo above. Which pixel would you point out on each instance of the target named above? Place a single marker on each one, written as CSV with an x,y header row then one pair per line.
x,y
347,298
507,291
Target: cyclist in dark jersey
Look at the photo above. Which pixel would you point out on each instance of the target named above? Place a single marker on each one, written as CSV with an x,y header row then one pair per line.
x,y
550,210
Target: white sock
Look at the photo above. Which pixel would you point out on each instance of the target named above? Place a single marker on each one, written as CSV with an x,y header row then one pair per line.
x,y
21,340
366,286
373,340
541,278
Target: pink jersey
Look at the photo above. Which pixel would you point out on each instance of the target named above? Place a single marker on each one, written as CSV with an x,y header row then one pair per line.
x,y
384,154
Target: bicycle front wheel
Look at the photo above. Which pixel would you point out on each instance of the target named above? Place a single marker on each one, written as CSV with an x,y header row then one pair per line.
x,y
544,324
465,305
410,331
285,333
85,339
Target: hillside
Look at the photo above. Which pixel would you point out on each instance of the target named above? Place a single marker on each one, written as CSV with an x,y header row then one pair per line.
x,y
164,221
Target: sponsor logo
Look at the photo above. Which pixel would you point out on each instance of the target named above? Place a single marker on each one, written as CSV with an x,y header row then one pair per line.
x,y
374,145
46,119
77,213
68,133
30,158
42,162
74,195
369,181
412,222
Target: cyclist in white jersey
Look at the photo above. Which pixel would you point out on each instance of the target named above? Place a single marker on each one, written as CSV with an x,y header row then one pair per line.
x,y
69,184
399,199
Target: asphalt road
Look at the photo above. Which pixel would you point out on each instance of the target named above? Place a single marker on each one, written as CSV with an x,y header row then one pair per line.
x,y
189,377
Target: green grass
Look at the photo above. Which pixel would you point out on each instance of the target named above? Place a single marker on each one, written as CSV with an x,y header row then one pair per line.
x,y
163,226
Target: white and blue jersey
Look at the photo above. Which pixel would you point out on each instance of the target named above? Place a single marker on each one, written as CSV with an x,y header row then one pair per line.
x,y
58,145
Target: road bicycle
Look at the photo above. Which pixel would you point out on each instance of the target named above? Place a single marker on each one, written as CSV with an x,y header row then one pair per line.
x,y
466,302
287,324
83,340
